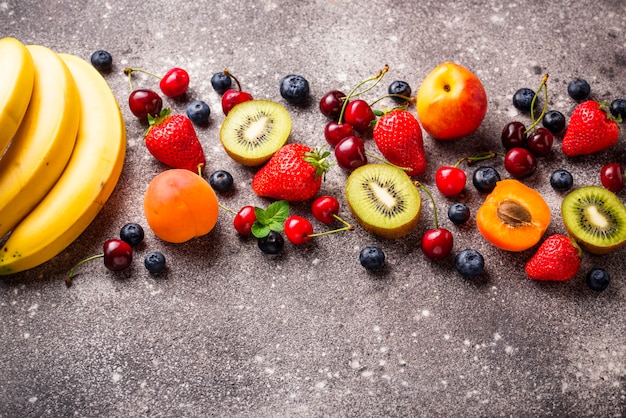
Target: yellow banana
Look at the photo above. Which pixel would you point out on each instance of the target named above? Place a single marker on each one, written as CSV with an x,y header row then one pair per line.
x,y
85,185
16,86
44,141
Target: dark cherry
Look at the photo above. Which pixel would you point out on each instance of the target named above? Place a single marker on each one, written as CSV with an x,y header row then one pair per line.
x,y
612,177
520,162
117,256
331,104
334,132
359,114
144,102
350,153
513,135
540,142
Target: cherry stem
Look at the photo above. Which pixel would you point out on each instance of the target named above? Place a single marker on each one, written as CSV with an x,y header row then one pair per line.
x,y
347,227
408,99
478,157
129,71
432,199
544,86
382,160
227,209
376,79
68,279
228,73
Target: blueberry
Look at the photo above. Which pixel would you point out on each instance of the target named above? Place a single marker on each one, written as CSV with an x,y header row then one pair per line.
x,y
102,61
618,108
154,262
294,88
597,279
132,233
554,121
561,180
372,258
469,263
221,181
271,244
221,82
485,178
458,213
523,98
578,89
401,88
198,112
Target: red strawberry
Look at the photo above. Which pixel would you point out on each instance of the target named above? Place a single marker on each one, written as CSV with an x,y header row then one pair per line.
x,y
172,140
558,258
591,129
294,173
398,136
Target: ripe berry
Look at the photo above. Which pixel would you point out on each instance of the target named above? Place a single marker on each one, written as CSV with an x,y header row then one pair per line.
x,y
221,181
485,179
469,263
399,88
513,135
450,180
244,219
618,108
523,98
117,256
132,233
154,262
273,243
359,114
578,89
102,61
175,82
350,153
331,103
294,88
458,213
540,142
520,162
325,208
598,279
198,112
144,102
554,121
437,243
372,258
221,82
298,229
334,132
232,97
612,177
561,180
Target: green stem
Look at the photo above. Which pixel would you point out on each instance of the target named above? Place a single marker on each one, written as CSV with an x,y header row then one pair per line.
x,y
432,199
132,70
544,86
68,279
228,73
403,107
352,93
478,157
227,209
347,227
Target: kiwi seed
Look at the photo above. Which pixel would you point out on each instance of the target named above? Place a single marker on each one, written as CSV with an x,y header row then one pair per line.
x,y
383,199
254,130
596,218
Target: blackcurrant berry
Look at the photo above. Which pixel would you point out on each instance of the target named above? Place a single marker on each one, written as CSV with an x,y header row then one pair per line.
x,y
198,112
458,213
273,243
221,82
132,233
598,279
578,89
618,108
372,258
561,180
554,121
294,88
102,61
523,98
399,88
485,178
154,262
221,181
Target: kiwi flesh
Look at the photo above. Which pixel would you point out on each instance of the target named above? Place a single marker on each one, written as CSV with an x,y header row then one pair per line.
x,y
596,218
254,130
384,200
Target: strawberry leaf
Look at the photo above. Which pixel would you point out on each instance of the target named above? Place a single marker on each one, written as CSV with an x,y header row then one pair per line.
x,y
270,219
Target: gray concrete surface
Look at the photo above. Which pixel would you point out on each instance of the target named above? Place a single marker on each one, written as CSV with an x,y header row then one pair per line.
x,y
229,331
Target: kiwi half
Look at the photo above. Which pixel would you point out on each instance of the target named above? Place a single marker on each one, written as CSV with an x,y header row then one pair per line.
x,y
254,130
383,199
596,218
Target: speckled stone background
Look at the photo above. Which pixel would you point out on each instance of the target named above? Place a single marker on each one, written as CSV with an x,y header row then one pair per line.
x,y
228,331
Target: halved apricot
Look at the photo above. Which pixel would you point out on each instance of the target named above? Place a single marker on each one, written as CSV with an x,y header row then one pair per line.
x,y
513,216
180,205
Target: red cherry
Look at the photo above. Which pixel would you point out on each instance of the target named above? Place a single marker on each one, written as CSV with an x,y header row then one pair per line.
x,y
612,177
232,97
331,104
350,153
325,208
334,132
450,180
118,254
145,102
244,219
298,229
175,82
437,243
520,162
540,142
359,114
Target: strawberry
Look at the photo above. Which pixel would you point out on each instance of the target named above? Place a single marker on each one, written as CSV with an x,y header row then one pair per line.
x,y
398,136
558,258
591,129
294,173
172,140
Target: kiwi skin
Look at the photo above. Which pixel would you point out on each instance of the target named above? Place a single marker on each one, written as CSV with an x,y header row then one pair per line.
x,y
364,218
610,202
231,124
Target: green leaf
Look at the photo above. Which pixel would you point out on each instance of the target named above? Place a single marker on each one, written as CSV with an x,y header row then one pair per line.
x,y
277,211
259,230
270,219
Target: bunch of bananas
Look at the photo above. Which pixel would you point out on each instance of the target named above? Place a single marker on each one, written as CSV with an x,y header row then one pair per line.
x,y
62,148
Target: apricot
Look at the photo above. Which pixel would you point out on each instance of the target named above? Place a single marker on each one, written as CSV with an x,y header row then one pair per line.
x,y
513,216
180,205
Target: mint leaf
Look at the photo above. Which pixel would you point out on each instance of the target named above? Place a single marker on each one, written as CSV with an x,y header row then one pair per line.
x,y
259,230
277,211
270,219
